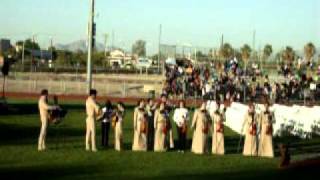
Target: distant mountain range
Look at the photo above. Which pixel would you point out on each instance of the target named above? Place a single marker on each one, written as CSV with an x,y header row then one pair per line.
x,y
80,45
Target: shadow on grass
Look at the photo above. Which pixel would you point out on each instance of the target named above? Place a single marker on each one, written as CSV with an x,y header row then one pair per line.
x,y
68,171
47,171
32,108
247,174
19,134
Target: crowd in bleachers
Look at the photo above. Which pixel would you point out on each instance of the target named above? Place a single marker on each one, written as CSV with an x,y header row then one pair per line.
x,y
230,80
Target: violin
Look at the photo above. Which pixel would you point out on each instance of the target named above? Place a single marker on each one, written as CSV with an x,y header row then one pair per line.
x,y
253,130
144,124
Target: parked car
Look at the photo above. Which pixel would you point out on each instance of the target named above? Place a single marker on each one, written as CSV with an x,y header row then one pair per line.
x,y
143,63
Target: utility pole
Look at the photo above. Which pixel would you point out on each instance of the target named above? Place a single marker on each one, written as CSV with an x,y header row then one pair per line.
x,y
23,46
159,48
112,46
32,51
195,55
222,41
254,41
51,48
105,44
90,46
221,47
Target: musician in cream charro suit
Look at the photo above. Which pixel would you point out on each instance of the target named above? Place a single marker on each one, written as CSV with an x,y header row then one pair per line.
x,y
140,125
161,129
250,127
200,124
266,131
44,107
218,130
117,123
93,113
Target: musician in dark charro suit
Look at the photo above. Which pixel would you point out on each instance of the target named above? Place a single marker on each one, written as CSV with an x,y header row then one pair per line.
x,y
150,109
44,109
105,123
168,107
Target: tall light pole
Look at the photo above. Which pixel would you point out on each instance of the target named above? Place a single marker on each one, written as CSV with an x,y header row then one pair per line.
x,y
159,50
32,52
50,63
221,45
254,41
112,43
105,44
23,47
90,44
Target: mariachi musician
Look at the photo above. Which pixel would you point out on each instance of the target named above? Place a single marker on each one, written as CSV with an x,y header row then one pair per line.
x,y
200,125
140,128
218,130
266,129
181,118
94,113
161,126
168,107
250,127
44,109
105,123
117,124
150,109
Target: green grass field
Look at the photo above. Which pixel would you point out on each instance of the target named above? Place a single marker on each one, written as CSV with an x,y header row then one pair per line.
x,y
66,157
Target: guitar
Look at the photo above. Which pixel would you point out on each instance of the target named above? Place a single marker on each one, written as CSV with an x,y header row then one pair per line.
x,y
57,115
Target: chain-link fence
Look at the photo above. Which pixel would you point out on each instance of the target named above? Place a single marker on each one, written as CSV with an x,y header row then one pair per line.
x,y
108,85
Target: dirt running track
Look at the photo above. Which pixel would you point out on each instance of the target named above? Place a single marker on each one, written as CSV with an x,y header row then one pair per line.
x,y
64,98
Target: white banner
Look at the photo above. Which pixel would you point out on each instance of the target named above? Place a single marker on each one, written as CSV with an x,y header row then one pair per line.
x,y
297,120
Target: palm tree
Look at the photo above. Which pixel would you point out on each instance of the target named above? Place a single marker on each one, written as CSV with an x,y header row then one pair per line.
x,y
226,51
267,51
309,51
245,54
288,55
